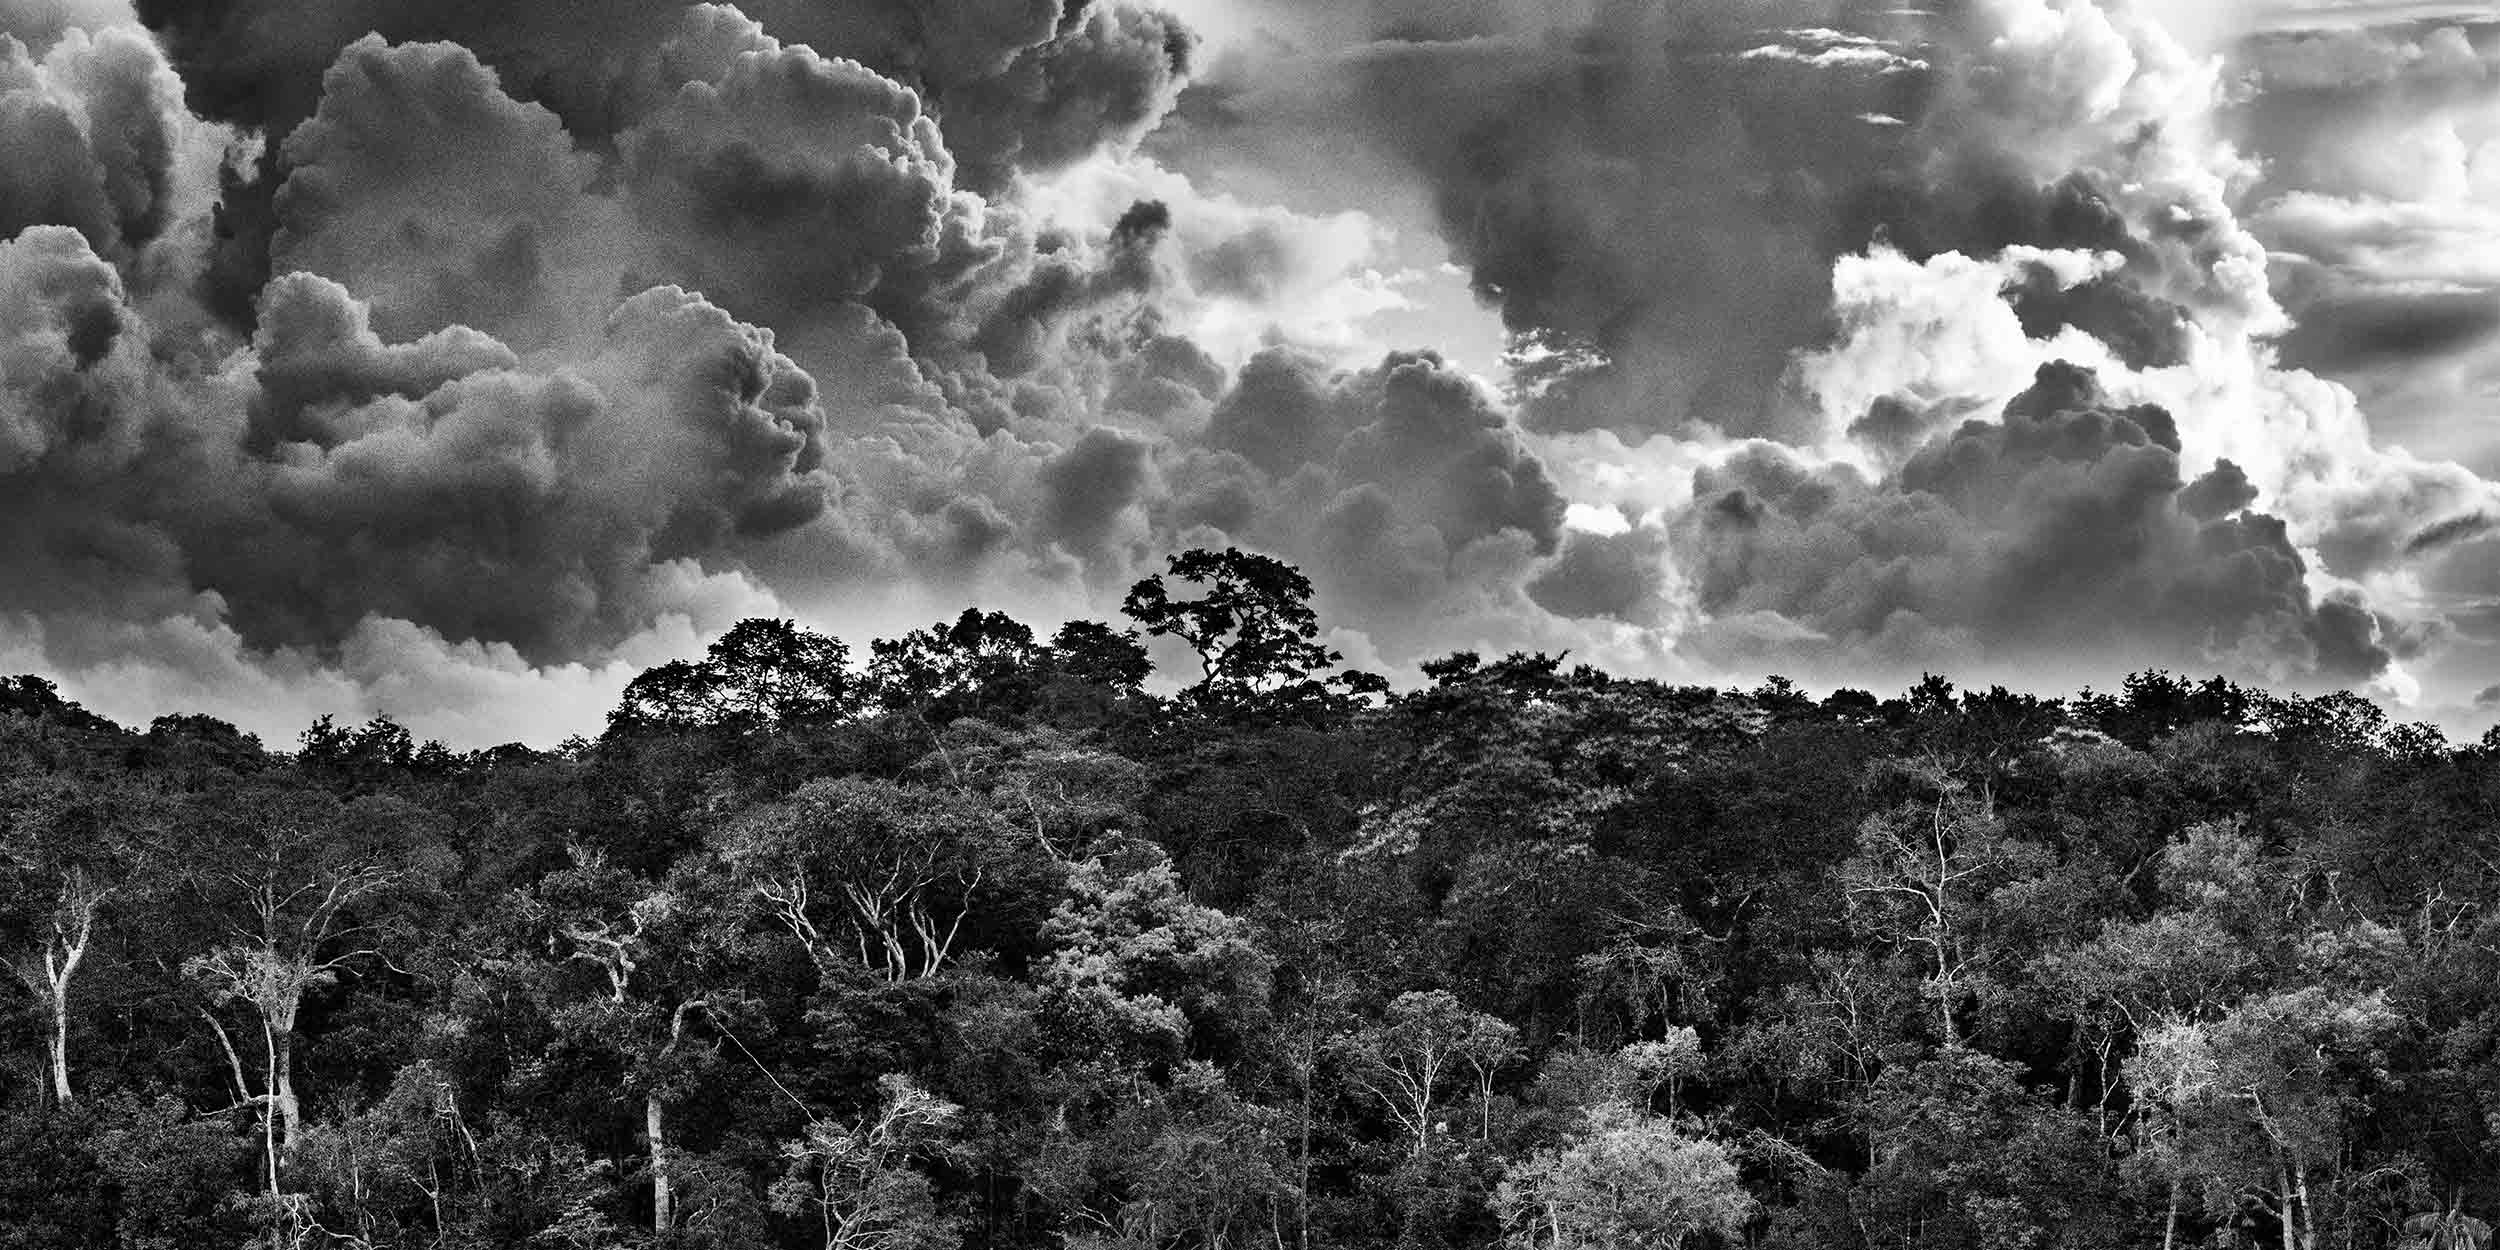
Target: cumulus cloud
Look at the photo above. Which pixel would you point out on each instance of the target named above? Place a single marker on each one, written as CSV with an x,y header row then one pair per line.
x,y
1400,471
414,357
436,197
2061,526
2376,202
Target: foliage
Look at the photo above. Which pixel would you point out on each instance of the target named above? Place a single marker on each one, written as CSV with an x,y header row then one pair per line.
x,y
1630,1181
994,940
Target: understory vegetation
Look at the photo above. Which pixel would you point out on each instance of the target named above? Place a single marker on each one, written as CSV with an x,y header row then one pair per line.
x,y
970,939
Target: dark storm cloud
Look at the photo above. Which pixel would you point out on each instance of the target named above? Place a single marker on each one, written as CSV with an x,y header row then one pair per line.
x,y
1018,329
437,198
557,336
1041,76
66,376
1414,430
438,484
1170,379
1386,482
2451,531
2221,491
1664,203
793,180
1660,193
1616,576
1105,76
41,23
2145,331
1278,412
1436,444
1021,84
2374,199
85,139
1091,485
2369,329
320,359
2060,526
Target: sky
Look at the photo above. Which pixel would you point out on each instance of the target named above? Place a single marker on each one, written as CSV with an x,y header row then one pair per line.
x,y
453,360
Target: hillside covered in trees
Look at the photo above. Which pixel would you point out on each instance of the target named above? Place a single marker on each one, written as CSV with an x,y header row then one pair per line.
x,y
967,939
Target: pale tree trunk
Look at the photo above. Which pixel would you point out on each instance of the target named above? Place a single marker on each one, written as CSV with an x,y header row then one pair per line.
x,y
2170,1219
663,1202
290,1110
2308,1217
72,927
60,1044
2283,1201
655,1126
269,1121
614,954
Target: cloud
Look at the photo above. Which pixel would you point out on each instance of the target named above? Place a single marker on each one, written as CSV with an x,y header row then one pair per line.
x,y
93,136
1092,486
470,694
407,355
2058,531
1621,576
2375,202
792,180
439,199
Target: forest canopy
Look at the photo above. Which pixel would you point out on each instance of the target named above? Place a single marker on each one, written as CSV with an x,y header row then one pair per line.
x,y
975,937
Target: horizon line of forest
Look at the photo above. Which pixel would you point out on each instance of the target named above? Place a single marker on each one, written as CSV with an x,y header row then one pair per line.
x,y
979,943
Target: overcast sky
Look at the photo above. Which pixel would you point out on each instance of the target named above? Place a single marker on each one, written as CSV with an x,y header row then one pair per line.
x,y
453,359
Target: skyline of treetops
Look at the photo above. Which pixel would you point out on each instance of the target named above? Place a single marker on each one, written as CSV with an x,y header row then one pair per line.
x,y
979,944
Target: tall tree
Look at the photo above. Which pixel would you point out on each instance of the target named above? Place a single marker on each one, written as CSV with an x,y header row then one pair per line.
x,y
1923,878
1252,628
300,888
761,674
1426,1042
659,961
67,851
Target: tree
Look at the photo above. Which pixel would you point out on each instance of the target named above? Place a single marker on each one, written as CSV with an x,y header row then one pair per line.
x,y
1922,880
759,675
956,668
379,747
870,870
1665,1064
301,889
1209,1174
1097,655
659,954
67,852
1425,1042
2265,1096
2451,1229
1139,964
1629,1181
1252,627
858,1180
1962,1158
77,900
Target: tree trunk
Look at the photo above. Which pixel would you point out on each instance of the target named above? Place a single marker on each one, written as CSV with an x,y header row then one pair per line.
x,y
60,1044
2283,1203
2308,1218
2170,1220
1310,1074
72,950
290,1111
663,1202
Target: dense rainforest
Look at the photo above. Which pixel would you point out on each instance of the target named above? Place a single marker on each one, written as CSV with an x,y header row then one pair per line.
x,y
972,939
